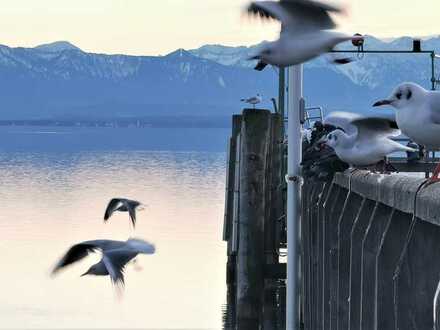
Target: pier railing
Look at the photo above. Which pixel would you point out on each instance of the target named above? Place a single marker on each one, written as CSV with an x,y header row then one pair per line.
x,y
371,247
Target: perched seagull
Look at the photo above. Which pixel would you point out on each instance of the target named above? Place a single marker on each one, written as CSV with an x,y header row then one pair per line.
x,y
122,205
361,141
418,116
115,255
305,32
253,100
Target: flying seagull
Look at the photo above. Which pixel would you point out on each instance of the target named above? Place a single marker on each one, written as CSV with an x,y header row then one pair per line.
x,y
306,32
418,116
115,255
362,141
254,100
122,205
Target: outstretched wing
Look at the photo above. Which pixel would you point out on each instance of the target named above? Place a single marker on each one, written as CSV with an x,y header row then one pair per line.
x,y
141,246
115,261
76,253
296,15
343,120
369,127
112,207
131,207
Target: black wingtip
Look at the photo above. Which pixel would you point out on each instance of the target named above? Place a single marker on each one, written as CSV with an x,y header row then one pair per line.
x,y
260,66
344,60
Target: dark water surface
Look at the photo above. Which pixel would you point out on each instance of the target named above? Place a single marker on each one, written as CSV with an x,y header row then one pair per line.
x,y
55,183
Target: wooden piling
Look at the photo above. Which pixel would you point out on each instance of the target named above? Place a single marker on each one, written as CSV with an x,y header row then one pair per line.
x,y
255,137
230,207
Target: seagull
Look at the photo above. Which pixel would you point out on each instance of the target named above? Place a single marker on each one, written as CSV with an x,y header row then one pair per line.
x,y
253,100
306,32
115,255
122,205
418,116
362,141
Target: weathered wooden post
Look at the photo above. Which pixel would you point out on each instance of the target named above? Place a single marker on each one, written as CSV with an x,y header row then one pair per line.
x,y
274,211
255,137
229,200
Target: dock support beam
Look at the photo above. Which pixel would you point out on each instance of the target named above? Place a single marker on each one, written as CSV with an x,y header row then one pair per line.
x,y
255,137
293,195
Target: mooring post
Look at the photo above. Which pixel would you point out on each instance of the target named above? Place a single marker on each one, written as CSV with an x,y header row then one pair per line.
x,y
255,138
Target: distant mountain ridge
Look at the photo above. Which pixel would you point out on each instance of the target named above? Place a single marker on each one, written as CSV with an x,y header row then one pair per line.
x,y
59,80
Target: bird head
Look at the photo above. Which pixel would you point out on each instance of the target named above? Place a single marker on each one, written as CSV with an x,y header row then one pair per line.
x,y
403,95
333,138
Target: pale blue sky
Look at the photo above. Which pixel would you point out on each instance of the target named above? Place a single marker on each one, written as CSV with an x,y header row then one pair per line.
x,y
156,27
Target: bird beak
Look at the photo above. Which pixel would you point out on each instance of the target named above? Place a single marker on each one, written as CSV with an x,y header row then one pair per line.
x,y
256,57
382,102
86,273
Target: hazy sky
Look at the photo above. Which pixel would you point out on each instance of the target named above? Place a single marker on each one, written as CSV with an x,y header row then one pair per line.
x,y
156,27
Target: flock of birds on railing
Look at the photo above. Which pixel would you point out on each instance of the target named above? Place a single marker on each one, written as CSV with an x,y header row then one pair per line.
x,y
307,31
115,254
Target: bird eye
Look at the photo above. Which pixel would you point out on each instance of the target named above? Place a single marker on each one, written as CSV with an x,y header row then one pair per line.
x,y
399,95
409,95
330,136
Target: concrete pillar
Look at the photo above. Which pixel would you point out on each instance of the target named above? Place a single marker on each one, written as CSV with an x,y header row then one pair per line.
x,y
345,225
417,277
333,223
358,231
320,270
393,242
370,250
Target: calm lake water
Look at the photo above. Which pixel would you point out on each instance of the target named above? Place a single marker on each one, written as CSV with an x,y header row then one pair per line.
x,y
55,183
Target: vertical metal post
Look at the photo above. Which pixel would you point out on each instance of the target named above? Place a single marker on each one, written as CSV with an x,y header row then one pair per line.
x,y
433,78
293,195
281,90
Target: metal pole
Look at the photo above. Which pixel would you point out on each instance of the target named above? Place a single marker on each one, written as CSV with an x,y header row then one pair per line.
x,y
293,195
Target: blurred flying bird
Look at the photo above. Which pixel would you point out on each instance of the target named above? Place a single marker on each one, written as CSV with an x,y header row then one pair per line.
x,y
306,32
253,100
122,205
115,255
418,116
362,141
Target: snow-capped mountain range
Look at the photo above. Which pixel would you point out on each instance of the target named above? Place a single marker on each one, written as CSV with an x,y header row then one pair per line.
x,y
60,80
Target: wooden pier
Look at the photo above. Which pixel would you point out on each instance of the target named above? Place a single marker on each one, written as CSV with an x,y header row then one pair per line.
x,y
370,243
254,215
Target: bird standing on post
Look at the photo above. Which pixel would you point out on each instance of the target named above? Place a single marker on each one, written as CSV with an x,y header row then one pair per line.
x,y
306,32
418,116
253,100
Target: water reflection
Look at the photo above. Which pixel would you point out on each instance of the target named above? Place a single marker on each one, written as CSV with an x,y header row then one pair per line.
x,y
51,200
274,310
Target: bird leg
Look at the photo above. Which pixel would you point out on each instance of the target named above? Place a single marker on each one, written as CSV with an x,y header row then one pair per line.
x,y
435,176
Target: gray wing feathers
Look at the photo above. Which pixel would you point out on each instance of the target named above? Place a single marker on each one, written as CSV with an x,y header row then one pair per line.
x,y
115,261
368,127
296,15
343,120
141,246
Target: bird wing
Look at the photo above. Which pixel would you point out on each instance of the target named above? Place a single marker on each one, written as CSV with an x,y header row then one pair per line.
x,y
76,253
115,261
343,120
373,127
296,15
131,207
141,246
112,207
